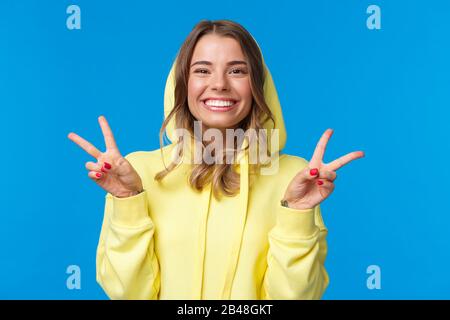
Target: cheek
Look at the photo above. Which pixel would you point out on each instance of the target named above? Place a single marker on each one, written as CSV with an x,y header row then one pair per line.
x,y
245,92
242,87
195,88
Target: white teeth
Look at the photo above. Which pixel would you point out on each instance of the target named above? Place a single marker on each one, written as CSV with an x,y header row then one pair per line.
x,y
219,103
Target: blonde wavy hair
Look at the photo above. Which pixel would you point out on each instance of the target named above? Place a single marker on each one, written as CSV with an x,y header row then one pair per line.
x,y
224,179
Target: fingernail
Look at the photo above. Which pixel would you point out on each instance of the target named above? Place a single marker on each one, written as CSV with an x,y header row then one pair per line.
x,y
313,172
107,165
98,174
319,182
103,169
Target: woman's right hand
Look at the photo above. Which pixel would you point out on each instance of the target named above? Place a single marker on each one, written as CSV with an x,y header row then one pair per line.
x,y
112,172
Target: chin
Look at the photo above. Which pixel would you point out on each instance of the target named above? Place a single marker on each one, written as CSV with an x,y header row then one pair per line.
x,y
218,124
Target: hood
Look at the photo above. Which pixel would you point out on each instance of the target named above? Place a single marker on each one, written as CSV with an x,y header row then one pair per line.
x,y
271,98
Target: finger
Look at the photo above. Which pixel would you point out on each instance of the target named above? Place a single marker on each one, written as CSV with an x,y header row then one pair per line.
x,y
97,166
107,133
309,173
95,175
84,144
326,185
342,161
93,166
317,157
327,174
106,167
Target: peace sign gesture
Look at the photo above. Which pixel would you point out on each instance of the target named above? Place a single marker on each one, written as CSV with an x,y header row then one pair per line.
x,y
112,172
314,184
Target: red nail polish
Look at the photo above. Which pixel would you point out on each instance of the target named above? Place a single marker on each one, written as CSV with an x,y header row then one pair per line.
x,y
98,174
103,169
319,182
107,165
313,172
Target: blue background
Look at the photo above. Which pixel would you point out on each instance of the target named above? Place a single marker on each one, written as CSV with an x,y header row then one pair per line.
x,y
383,91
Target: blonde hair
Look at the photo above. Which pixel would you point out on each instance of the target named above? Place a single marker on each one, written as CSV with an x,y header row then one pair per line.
x,y
222,176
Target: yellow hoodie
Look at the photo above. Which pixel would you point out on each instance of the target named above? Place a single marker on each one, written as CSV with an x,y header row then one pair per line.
x,y
173,242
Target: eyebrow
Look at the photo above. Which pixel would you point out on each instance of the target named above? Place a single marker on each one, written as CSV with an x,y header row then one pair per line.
x,y
230,63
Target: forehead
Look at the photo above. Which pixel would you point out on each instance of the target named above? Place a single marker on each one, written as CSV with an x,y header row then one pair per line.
x,y
216,48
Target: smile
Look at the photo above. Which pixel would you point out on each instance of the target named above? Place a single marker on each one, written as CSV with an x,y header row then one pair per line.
x,y
219,105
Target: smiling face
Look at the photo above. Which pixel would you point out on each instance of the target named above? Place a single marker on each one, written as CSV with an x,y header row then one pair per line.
x,y
219,92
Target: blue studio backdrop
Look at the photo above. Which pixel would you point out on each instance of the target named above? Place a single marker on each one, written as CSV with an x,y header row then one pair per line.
x,y
383,89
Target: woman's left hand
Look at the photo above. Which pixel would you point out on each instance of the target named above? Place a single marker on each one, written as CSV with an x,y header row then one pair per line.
x,y
315,183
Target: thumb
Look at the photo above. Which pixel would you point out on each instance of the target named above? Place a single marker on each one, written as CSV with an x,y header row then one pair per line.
x,y
123,167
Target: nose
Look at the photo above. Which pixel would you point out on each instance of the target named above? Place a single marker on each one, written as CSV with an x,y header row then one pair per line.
x,y
219,82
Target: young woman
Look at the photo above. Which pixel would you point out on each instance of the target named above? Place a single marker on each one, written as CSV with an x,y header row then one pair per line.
x,y
175,228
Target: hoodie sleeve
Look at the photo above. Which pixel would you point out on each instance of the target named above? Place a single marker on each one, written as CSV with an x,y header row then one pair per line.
x,y
127,267
296,256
